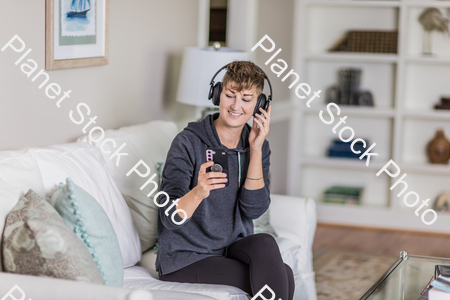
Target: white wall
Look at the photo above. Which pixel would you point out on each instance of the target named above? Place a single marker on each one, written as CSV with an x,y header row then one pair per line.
x,y
276,18
147,38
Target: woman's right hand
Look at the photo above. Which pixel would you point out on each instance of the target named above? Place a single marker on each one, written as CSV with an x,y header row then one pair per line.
x,y
208,181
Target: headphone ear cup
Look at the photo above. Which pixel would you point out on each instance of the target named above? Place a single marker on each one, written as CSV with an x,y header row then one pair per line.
x,y
266,104
217,90
262,100
210,94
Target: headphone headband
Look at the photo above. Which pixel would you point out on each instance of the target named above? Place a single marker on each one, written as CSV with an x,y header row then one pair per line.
x,y
269,98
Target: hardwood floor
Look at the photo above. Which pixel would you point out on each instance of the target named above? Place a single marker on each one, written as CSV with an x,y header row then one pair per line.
x,y
381,241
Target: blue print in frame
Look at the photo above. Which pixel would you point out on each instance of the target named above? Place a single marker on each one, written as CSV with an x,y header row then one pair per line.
x,y
76,33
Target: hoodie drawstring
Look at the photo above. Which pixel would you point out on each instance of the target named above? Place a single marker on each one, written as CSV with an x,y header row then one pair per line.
x,y
239,163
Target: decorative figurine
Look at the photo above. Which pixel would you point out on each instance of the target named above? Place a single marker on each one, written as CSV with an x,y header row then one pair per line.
x,y
332,95
432,20
442,202
444,104
347,91
438,148
365,98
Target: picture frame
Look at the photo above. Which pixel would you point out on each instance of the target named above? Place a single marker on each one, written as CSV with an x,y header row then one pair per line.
x,y
76,33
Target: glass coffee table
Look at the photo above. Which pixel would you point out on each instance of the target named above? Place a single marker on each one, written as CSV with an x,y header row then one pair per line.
x,y
405,279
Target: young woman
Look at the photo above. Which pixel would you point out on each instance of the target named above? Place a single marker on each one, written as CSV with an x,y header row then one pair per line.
x,y
216,244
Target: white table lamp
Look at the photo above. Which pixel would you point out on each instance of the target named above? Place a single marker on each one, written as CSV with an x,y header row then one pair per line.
x,y
198,67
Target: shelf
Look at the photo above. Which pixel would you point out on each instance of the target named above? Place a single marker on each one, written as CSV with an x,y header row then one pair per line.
x,y
428,59
379,217
347,163
428,4
355,207
402,123
353,57
430,169
356,111
433,115
353,3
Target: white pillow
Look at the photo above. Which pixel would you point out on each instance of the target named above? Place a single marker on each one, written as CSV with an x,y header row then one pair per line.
x,y
84,165
19,172
149,142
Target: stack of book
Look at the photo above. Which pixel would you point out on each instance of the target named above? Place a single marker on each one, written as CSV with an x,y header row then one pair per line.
x,y
349,80
339,148
439,286
343,195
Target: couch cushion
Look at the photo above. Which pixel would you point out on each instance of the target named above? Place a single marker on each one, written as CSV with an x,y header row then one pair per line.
x,y
138,278
148,142
88,220
148,262
18,173
36,241
289,249
83,163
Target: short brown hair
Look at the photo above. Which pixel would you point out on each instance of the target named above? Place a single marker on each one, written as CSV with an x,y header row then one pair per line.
x,y
246,76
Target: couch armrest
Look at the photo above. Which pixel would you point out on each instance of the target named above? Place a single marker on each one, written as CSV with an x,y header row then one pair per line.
x,y
46,288
295,218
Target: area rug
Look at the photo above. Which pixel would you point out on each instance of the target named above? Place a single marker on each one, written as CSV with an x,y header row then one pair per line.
x,y
346,275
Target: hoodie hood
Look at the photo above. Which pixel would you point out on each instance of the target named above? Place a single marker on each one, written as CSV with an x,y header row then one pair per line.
x,y
206,131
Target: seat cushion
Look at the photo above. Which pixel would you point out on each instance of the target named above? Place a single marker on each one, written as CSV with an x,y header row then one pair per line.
x,y
138,278
148,142
37,241
84,164
289,249
88,220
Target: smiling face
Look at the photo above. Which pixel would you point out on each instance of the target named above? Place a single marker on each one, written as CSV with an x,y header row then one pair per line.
x,y
236,108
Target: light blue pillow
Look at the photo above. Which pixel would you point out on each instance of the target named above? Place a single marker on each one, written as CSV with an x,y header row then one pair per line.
x,y
88,220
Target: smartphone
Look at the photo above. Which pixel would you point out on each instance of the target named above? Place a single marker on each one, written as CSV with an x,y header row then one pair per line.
x,y
220,159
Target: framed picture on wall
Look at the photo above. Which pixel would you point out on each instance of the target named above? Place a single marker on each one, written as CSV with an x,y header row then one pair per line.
x,y
76,33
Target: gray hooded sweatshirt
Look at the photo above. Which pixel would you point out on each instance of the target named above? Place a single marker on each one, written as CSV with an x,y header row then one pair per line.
x,y
222,218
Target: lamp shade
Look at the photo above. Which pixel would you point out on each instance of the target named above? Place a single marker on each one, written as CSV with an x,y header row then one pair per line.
x,y
198,67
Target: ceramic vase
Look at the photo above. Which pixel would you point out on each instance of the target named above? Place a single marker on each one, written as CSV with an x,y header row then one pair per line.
x,y
438,149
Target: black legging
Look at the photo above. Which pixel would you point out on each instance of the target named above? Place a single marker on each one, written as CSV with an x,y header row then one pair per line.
x,y
250,264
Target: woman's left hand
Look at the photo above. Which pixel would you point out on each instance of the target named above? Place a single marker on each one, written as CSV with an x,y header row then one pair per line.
x,y
258,135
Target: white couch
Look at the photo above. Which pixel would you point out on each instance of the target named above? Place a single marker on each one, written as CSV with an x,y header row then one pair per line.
x,y
294,219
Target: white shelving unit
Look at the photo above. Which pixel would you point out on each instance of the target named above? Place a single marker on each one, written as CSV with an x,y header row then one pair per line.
x,y
405,86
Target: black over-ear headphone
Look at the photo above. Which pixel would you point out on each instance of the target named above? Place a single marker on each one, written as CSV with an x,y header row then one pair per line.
x,y
216,89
